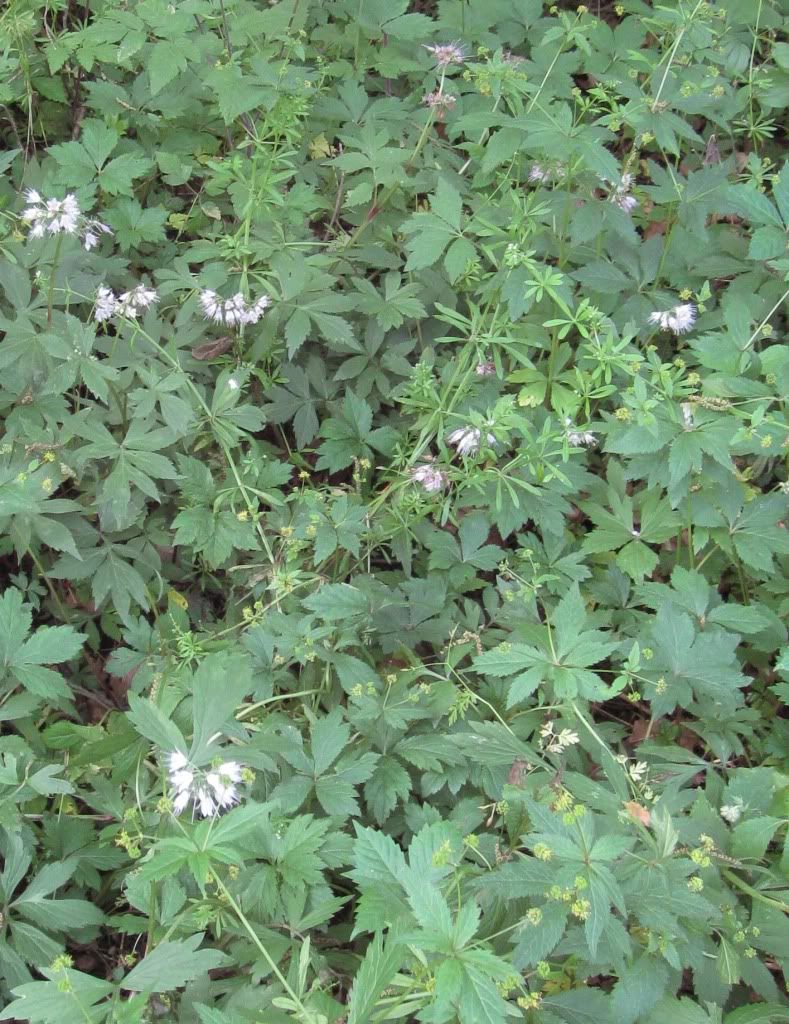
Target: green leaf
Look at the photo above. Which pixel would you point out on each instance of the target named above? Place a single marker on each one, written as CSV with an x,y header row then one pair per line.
x,y
751,838
336,601
153,724
639,988
381,962
45,1002
172,964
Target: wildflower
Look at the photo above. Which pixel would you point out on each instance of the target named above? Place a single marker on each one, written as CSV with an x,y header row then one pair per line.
x,y
217,790
91,229
487,368
441,102
445,54
540,175
732,812
233,311
467,440
224,783
106,304
579,438
430,477
542,851
581,909
132,303
51,216
679,319
619,193
233,384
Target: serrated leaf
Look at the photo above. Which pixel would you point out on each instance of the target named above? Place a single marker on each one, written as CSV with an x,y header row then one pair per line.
x,y
172,964
153,724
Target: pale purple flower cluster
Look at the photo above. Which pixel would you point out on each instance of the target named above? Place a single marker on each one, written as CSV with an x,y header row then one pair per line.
x,y
209,793
679,319
620,196
541,175
128,304
467,440
430,477
56,216
439,101
579,438
445,54
487,368
232,312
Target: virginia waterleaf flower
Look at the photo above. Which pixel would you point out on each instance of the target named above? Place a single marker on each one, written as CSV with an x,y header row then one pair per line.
x,y
232,312
679,319
51,216
209,793
431,478
61,216
619,193
128,304
467,440
578,438
445,54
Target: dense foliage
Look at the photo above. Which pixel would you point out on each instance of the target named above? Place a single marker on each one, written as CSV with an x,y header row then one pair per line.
x,y
393,494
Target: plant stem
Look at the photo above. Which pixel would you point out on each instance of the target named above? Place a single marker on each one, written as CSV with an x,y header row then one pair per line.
x,y
754,893
306,1015
52,274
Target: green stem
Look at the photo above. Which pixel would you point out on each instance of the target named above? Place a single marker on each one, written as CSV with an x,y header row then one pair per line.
x,y
306,1015
754,893
53,272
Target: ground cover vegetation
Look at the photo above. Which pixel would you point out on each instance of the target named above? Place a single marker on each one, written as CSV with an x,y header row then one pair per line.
x,y
393,496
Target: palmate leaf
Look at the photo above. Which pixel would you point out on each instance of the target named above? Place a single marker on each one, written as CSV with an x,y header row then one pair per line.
x,y
693,665
172,964
381,962
48,1002
564,659
23,658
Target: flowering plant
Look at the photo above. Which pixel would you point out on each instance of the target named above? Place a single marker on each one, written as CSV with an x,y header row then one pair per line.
x,y
393,512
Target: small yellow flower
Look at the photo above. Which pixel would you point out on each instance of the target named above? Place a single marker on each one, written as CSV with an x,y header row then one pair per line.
x,y
581,909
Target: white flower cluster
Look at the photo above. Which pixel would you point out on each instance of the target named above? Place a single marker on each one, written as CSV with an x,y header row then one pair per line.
x,y
732,812
467,440
128,304
234,311
430,477
210,793
56,216
620,196
678,319
579,438
557,742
